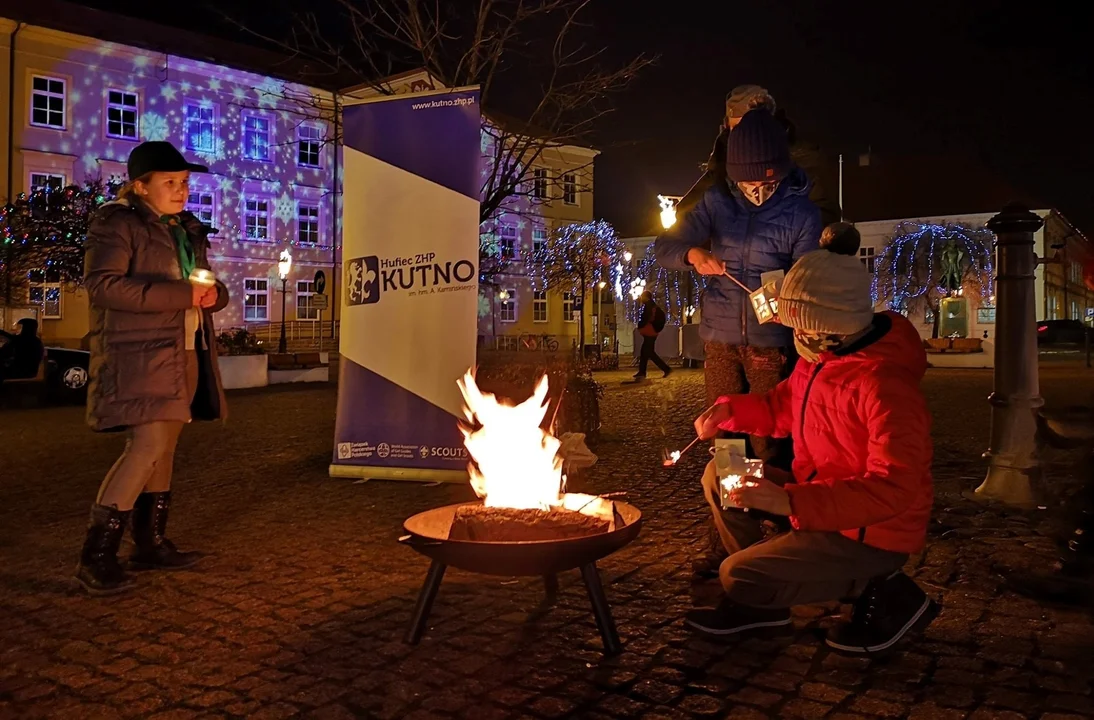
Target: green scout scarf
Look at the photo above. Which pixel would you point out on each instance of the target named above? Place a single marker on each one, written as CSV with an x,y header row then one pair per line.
x,y
187,258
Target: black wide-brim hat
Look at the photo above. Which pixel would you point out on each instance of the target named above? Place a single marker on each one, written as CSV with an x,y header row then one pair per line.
x,y
159,156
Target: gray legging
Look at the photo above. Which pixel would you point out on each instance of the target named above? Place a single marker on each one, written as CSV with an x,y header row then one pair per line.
x,y
149,456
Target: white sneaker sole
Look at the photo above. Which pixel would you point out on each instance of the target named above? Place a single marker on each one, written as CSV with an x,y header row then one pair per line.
x,y
888,644
742,628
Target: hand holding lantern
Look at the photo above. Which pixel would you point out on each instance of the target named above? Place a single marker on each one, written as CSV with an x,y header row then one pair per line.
x,y
758,493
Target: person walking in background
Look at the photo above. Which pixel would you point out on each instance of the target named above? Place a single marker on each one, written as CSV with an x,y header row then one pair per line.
x,y
153,357
651,321
763,222
23,353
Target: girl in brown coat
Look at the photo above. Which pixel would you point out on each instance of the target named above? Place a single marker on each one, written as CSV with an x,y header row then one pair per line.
x,y
153,357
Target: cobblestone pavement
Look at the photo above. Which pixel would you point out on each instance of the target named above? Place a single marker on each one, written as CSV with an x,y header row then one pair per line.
x,y
301,609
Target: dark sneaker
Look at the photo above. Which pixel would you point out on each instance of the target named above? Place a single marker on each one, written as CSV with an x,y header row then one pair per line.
x,y
883,614
730,619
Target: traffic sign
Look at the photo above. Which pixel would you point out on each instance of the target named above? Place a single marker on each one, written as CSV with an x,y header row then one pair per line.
x,y
319,302
320,282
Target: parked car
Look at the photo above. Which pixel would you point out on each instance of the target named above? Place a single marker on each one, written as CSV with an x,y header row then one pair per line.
x,y
1062,332
67,374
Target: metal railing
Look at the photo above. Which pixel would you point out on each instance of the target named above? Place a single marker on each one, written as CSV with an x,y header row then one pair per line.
x,y
299,334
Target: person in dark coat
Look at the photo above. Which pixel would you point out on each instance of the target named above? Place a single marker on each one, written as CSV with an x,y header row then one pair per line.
x,y
153,357
651,321
22,354
808,157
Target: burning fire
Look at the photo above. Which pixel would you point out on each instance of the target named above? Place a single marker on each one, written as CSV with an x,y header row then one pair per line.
x,y
516,463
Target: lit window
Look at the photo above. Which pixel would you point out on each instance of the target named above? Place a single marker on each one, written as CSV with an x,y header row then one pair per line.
x,y
47,102
539,306
256,306
1053,308
568,307
201,127
539,240
985,315
256,137
569,189
121,114
1075,272
539,183
508,243
509,306
256,220
1075,313
307,224
866,256
310,139
51,181
304,310
45,291
201,205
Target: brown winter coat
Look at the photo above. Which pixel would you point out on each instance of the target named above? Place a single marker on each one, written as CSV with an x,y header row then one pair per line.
x,y
138,303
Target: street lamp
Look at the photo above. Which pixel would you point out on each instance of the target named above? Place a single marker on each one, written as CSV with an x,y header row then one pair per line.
x,y
668,211
284,265
599,309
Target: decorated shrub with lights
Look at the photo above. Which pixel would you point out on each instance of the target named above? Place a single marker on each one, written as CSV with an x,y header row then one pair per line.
x,y
676,292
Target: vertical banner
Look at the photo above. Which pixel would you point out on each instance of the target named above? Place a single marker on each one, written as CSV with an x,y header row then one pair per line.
x,y
410,234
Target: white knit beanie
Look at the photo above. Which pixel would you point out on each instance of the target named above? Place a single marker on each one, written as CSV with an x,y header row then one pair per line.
x,y
826,293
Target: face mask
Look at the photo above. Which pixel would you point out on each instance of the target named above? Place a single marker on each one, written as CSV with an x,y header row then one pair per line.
x,y
757,193
811,345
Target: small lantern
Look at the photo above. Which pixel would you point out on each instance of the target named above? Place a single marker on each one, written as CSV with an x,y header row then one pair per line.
x,y
765,301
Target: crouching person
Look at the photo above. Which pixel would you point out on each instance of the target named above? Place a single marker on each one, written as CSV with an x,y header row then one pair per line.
x,y
859,498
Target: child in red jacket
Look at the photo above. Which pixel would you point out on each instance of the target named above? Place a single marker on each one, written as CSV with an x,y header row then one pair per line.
x,y
859,498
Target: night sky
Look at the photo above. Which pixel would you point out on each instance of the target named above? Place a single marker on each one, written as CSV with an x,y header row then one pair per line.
x,y
986,81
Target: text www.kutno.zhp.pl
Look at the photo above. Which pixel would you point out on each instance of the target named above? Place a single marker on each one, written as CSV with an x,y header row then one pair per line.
x,y
443,103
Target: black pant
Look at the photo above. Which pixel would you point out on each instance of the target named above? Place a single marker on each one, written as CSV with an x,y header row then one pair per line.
x,y
649,353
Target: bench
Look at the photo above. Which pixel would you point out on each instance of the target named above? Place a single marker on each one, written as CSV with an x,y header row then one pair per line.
x,y
299,367
954,345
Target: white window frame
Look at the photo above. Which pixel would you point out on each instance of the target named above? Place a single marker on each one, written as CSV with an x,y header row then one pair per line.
x,y
246,214
541,184
867,257
317,140
985,315
570,193
507,313
198,192
1053,310
45,288
264,284
122,107
540,307
305,289
244,119
214,125
1075,272
568,307
310,205
48,175
509,239
540,238
1076,311
49,94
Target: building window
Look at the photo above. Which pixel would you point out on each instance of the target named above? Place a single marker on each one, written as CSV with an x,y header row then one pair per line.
x,y
307,224
256,138
121,114
310,139
45,291
256,306
304,310
201,205
569,189
507,245
1075,313
539,183
539,306
508,311
539,240
1075,272
985,315
568,307
866,256
1053,307
256,220
201,123
47,102
508,343
44,181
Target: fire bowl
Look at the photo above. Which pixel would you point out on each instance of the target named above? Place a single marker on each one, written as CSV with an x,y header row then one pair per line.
x,y
429,536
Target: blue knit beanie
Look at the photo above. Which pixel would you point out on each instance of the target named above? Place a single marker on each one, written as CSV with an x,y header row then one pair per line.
x,y
758,150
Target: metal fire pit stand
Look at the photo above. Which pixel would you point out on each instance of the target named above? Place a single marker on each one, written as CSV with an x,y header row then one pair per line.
x,y
589,574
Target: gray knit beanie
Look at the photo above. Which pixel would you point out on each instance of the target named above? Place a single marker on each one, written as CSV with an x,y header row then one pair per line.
x,y
748,97
826,293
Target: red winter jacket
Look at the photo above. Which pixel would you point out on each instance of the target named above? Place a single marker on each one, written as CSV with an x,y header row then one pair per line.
x,y
862,437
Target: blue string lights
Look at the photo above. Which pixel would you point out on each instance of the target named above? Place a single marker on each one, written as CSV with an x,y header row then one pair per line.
x,y
922,263
676,292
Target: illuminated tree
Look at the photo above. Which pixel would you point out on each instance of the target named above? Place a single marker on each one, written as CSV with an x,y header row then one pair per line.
x,y
43,234
532,47
923,263
677,292
576,259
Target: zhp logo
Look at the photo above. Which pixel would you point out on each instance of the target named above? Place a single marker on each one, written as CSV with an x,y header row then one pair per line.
x,y
345,451
363,281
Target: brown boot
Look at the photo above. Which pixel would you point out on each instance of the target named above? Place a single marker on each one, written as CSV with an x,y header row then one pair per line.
x,y
99,571
153,550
